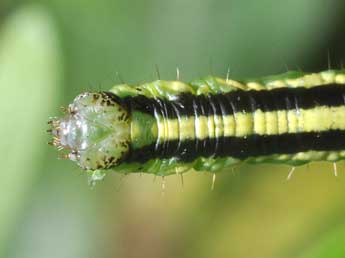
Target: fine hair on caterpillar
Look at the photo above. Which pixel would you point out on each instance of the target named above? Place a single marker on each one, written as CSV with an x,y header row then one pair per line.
x,y
171,127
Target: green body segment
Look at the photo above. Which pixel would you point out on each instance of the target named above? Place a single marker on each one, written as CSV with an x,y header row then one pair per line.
x,y
148,129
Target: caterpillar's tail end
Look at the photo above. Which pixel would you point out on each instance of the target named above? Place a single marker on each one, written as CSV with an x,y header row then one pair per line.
x,y
94,132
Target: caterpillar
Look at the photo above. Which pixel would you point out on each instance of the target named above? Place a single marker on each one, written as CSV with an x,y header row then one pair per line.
x,y
167,127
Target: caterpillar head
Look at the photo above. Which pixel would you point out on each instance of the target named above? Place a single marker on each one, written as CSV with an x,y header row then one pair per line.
x,y
95,131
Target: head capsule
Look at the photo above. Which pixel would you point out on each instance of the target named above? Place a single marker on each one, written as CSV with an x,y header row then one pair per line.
x,y
95,131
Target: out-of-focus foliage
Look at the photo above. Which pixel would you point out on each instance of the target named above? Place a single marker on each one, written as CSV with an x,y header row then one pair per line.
x,y
29,74
52,50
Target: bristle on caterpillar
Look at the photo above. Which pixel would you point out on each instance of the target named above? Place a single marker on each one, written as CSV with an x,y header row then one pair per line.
x,y
168,127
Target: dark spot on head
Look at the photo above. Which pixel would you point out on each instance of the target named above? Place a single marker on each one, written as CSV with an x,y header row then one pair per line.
x,y
121,116
96,96
111,159
99,165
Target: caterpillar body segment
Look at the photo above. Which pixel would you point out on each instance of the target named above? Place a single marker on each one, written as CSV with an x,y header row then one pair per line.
x,y
166,127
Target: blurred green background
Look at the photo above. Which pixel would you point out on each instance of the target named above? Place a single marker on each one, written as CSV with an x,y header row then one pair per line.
x,y
52,50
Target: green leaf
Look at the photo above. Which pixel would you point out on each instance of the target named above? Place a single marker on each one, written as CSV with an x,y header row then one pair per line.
x,y
29,76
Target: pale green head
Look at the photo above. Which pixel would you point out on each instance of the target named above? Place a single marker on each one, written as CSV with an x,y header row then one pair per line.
x,y
95,131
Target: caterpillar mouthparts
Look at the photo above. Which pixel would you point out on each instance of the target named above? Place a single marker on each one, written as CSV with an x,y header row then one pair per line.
x,y
166,127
